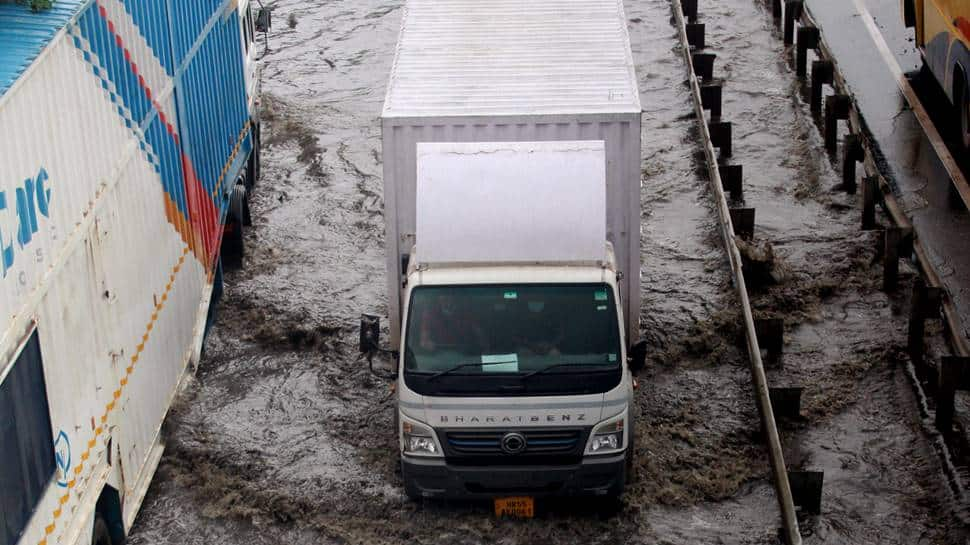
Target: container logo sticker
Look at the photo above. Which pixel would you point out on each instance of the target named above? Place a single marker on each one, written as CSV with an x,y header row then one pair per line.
x,y
62,457
19,211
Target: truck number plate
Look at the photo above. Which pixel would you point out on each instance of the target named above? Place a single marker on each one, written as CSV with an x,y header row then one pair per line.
x,y
517,507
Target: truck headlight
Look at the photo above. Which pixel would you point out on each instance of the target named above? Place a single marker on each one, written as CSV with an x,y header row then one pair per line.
x,y
418,439
607,438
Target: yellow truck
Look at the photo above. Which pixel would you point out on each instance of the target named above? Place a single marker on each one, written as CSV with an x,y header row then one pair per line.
x,y
943,36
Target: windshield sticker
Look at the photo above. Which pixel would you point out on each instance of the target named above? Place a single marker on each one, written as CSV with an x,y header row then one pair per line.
x,y
600,295
511,294
601,307
612,357
500,363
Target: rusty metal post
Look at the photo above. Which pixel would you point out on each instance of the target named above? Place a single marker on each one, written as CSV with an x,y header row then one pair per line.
x,y
695,35
870,193
808,37
721,136
793,10
776,9
852,154
703,65
822,72
836,108
711,94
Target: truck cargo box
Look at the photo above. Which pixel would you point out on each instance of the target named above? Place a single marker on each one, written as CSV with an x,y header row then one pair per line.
x,y
123,127
507,70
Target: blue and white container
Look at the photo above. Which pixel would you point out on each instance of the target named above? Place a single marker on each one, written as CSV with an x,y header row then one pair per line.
x,y
124,128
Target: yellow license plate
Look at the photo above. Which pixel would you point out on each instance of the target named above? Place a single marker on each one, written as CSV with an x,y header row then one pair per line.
x,y
518,507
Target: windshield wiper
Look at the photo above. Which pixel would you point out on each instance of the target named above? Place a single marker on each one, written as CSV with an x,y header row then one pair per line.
x,y
556,365
461,366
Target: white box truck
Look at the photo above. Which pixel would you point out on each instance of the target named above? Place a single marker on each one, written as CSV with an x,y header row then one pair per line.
x,y
511,138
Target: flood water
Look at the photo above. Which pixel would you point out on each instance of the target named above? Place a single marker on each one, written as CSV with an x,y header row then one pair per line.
x,y
285,436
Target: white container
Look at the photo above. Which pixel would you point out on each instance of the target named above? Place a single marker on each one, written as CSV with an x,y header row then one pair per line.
x,y
512,202
103,274
513,71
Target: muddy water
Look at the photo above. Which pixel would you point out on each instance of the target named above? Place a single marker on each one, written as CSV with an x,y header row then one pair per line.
x,y
285,437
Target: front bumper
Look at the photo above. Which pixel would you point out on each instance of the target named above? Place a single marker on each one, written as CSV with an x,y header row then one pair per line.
x,y
434,478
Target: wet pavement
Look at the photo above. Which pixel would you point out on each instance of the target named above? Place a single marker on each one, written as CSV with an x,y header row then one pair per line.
x,y
286,437
910,163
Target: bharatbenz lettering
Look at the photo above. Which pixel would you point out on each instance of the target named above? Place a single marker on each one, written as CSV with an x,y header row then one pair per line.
x,y
513,249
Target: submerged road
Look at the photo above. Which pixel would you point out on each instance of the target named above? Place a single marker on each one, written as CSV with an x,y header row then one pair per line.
x,y
910,162
285,437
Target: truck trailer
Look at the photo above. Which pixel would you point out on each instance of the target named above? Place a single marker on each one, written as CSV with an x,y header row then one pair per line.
x,y
128,142
511,149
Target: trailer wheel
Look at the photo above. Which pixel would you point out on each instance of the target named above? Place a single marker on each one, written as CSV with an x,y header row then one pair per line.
x,y
101,535
233,243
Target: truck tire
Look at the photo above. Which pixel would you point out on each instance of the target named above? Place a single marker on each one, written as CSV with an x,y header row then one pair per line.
x,y
233,241
101,535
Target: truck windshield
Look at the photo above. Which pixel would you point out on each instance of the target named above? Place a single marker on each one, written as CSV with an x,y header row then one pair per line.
x,y
508,330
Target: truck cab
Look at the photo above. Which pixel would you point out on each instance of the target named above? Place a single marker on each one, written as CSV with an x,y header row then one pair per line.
x,y
514,381
514,371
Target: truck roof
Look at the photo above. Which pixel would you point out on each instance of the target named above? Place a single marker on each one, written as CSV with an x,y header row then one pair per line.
x,y
25,33
510,57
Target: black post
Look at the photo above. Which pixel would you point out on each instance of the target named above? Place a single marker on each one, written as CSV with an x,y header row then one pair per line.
x,y
690,10
925,306
852,154
822,72
870,192
743,221
721,136
695,35
703,65
917,325
806,490
808,37
793,10
732,179
776,9
951,376
890,264
836,108
711,98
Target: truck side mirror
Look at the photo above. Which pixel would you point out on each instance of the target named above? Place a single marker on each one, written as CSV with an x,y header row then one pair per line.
x,y
264,19
370,333
637,356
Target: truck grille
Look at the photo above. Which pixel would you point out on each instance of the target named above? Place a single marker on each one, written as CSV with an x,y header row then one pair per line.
x,y
489,442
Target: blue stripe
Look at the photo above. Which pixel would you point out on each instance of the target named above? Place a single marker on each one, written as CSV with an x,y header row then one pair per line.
x,y
24,34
